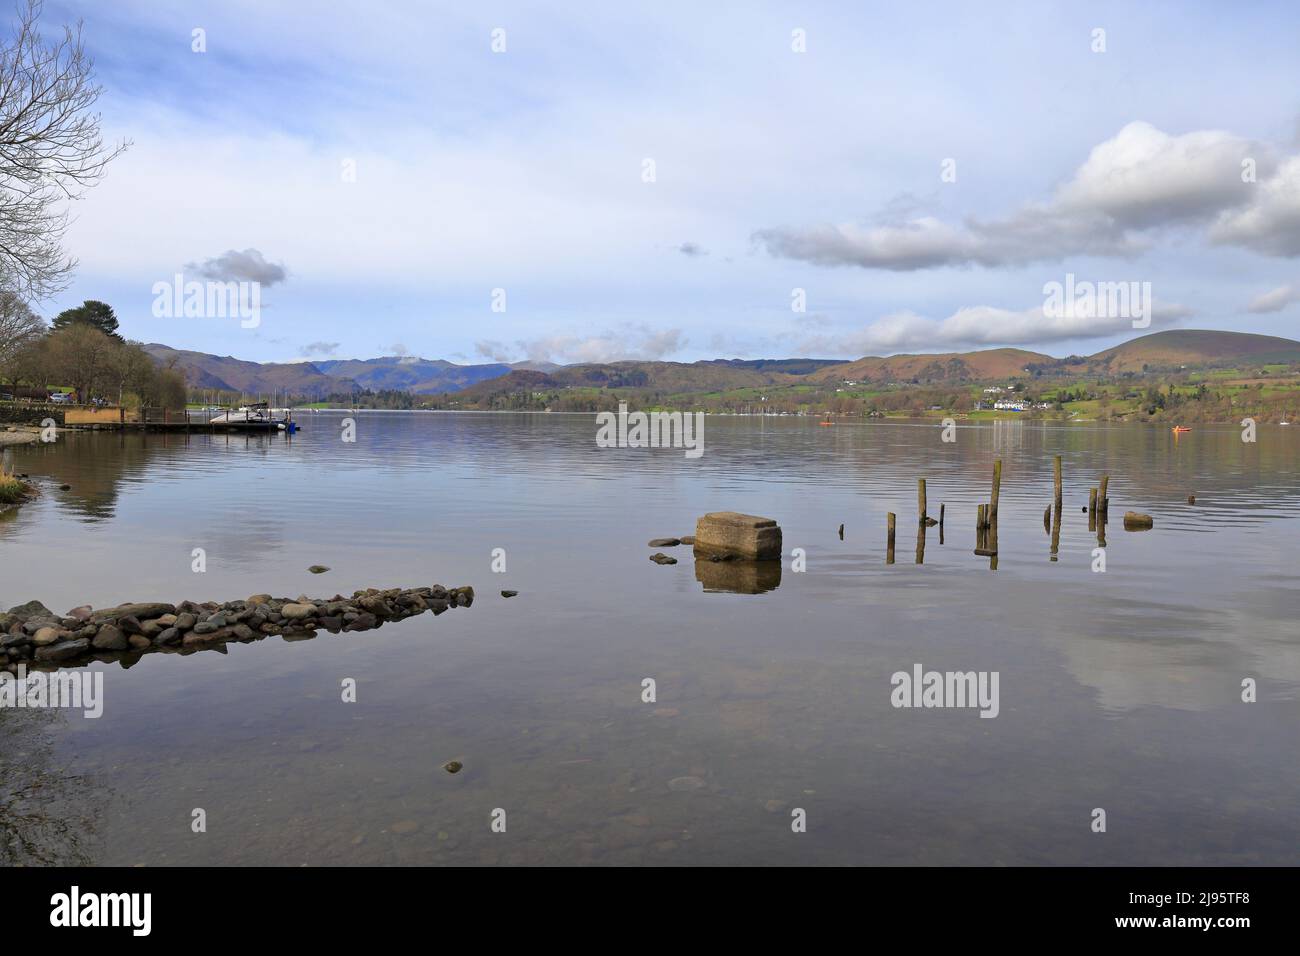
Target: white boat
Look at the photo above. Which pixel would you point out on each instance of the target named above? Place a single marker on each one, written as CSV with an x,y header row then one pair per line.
x,y
244,415
256,415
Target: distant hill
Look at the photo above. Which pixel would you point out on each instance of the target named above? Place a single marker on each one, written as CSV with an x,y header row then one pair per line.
x,y
1158,352
411,374
947,368
255,378
668,377
1192,347
326,376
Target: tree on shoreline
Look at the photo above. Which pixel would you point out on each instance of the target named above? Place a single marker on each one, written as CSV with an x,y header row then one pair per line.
x,y
92,312
20,330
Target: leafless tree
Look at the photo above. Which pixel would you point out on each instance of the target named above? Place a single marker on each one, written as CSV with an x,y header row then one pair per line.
x,y
51,150
19,328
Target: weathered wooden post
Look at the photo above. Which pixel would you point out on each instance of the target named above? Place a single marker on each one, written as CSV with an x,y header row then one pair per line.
x,y
1103,499
1047,520
889,544
941,507
1092,509
920,500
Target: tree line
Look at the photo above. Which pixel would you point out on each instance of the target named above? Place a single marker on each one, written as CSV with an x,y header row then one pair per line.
x,y
82,350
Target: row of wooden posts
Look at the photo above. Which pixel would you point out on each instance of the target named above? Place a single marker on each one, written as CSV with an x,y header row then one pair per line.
x,y
986,517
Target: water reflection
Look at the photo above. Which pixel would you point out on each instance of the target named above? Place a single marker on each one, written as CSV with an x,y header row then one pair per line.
x,y
738,577
1125,684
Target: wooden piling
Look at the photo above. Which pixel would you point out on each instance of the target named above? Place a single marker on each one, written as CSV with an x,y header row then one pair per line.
x,y
889,544
920,500
1056,482
941,507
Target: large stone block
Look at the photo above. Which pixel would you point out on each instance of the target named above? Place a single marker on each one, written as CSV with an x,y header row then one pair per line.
x,y
737,535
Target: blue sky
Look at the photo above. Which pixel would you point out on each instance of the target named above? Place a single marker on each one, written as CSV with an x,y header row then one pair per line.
x,y
774,170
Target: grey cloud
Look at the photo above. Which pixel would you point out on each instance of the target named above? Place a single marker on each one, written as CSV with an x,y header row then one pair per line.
x,y
492,351
318,348
692,250
235,266
630,343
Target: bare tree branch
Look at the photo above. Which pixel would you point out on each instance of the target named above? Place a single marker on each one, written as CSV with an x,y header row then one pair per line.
x,y
51,151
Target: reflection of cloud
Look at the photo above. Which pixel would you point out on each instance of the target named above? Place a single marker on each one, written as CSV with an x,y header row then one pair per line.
x,y
1178,674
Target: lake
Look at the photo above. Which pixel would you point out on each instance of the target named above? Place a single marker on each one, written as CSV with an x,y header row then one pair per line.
x,y
1119,690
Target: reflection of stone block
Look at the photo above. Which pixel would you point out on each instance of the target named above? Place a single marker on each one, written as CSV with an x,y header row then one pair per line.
x,y
738,576
743,536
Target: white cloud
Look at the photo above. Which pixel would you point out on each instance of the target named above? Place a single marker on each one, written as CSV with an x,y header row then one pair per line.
x,y
1140,180
1270,224
981,326
1275,300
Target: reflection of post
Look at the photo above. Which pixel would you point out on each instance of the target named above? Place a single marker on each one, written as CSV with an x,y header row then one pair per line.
x,y
1056,528
992,542
997,487
889,543
1101,527
920,543
1047,520
941,507
920,500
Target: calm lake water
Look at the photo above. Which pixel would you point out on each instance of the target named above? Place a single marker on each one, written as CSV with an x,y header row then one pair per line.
x,y
1119,690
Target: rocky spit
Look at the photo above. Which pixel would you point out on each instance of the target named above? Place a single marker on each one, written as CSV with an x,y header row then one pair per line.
x,y
36,636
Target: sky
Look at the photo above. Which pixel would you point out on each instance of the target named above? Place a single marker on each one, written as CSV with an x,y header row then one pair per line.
x,y
655,181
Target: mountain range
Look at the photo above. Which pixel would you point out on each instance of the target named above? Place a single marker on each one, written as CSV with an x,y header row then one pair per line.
x,y
1158,352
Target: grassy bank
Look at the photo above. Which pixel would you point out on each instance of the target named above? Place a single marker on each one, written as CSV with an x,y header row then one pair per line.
x,y
12,490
